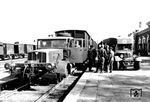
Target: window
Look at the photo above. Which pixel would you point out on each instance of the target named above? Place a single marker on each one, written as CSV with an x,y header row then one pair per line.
x,y
52,43
71,43
139,40
78,43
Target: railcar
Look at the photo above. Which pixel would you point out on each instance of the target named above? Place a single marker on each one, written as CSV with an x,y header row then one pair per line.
x,y
79,45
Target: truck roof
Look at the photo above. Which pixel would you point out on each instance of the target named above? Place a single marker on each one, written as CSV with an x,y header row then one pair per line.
x,y
72,33
56,38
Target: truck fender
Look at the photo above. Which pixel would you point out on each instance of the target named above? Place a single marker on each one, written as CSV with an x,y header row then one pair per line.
x,y
62,67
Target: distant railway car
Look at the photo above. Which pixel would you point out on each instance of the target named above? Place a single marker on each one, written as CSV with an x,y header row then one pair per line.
x,y
8,50
29,47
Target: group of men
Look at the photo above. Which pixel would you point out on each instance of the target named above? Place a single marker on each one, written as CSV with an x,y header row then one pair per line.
x,y
105,57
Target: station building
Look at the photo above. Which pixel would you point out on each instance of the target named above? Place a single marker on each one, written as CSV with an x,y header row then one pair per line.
x,y
142,41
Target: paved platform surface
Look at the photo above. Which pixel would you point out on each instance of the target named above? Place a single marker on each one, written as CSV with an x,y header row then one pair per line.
x,y
118,86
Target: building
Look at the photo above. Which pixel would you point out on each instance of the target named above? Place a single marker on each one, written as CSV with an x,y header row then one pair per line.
x,y
142,41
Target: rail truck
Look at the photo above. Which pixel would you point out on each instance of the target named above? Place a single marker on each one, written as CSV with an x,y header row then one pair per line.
x,y
54,56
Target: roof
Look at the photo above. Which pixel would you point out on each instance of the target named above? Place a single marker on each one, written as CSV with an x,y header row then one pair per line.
x,y
57,38
72,32
143,31
45,50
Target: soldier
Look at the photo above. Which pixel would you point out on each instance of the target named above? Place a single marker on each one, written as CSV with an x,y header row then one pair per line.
x,y
107,59
91,57
122,62
111,60
94,56
101,58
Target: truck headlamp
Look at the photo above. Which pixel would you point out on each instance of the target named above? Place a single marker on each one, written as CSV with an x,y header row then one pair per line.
x,y
53,64
32,65
49,66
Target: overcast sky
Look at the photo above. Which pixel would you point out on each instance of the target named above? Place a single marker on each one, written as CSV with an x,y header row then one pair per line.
x,y
27,20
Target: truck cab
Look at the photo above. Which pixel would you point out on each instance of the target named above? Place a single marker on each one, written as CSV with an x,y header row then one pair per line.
x,y
42,64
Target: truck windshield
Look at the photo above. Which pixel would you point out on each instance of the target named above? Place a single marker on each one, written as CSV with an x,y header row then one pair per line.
x,y
37,56
52,43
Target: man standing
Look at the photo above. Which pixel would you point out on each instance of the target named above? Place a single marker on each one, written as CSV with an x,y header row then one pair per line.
x,y
106,64
91,57
101,58
111,59
94,56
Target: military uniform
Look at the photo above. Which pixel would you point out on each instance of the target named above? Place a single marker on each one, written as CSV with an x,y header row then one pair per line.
x,y
101,59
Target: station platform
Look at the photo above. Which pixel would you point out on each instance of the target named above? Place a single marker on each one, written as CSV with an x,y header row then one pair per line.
x,y
110,87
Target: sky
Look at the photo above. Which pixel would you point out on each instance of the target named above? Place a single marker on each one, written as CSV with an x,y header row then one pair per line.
x,y
27,20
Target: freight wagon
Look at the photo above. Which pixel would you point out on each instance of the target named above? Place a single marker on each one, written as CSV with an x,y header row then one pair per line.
x,y
16,50
8,50
19,50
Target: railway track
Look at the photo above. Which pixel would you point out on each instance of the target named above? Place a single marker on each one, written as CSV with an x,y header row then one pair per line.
x,y
36,93
4,94
24,92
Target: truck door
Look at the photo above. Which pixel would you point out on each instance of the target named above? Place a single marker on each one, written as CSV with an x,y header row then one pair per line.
x,y
77,51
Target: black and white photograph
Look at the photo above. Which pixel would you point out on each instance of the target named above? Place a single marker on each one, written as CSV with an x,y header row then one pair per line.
x,y
74,51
